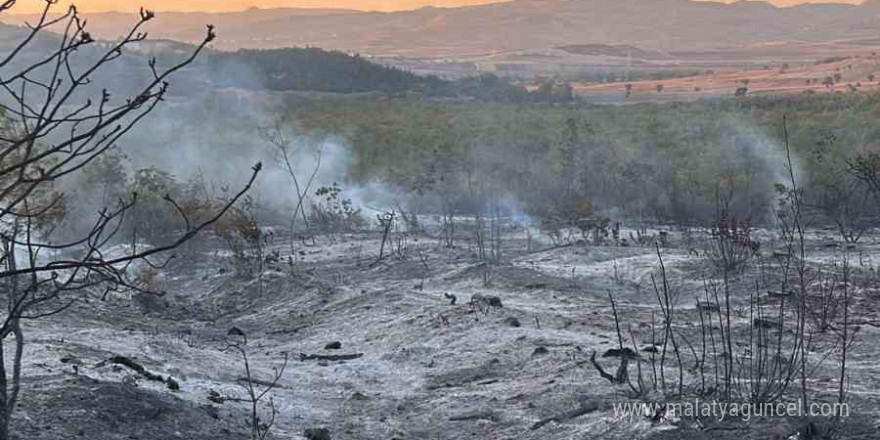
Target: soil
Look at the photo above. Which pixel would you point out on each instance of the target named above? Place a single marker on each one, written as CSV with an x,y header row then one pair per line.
x,y
427,369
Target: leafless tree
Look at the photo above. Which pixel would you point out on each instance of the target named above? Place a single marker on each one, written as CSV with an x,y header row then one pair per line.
x,y
386,221
260,426
47,136
284,148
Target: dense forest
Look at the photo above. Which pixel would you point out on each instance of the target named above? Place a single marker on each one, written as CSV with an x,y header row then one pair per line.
x,y
542,152
673,162
654,162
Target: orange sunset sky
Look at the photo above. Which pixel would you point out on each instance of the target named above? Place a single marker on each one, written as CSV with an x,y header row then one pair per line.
x,y
233,5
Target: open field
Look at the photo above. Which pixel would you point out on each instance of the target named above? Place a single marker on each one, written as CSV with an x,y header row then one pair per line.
x,y
858,71
429,369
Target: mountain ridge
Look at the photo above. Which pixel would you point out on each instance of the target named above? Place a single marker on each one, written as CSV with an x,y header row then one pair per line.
x,y
524,24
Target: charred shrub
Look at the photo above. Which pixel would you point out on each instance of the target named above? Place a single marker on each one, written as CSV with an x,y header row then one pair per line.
x,y
243,237
335,214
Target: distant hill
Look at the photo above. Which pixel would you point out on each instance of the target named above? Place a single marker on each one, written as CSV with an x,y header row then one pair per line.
x,y
311,69
318,70
10,36
655,25
615,51
274,70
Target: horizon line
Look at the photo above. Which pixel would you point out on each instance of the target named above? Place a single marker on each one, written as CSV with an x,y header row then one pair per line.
x,y
82,10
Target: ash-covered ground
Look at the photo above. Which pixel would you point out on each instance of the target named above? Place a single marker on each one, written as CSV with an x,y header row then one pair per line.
x,y
427,368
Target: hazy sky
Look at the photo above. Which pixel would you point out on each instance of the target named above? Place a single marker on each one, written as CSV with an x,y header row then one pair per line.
x,y
232,5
